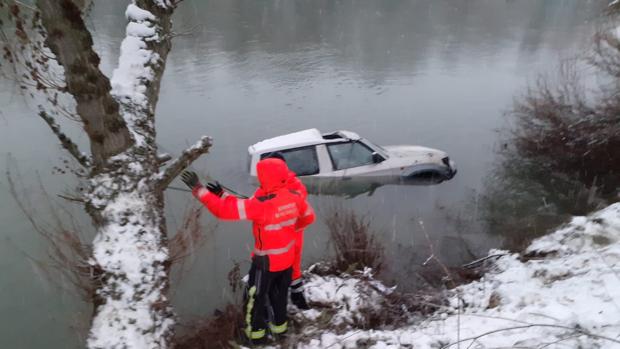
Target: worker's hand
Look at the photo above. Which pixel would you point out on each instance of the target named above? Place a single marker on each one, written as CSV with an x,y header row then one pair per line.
x,y
190,179
215,188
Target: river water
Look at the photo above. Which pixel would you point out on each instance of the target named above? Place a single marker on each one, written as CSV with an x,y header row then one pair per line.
x,y
433,73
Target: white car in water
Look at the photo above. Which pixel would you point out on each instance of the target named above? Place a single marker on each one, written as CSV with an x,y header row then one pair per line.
x,y
343,162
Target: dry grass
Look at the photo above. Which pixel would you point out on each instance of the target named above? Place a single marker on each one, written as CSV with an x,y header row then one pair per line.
x,y
188,237
219,331
356,246
222,329
399,309
66,264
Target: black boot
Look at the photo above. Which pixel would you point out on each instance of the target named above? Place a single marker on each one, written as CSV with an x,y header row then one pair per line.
x,y
245,341
299,300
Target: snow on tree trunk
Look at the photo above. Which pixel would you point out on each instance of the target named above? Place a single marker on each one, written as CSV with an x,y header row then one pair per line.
x,y
130,246
129,249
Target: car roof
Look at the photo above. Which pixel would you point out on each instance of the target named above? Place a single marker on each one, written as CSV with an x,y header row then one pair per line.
x,y
298,139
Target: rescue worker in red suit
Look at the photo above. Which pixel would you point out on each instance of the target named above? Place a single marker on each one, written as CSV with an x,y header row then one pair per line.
x,y
297,291
276,215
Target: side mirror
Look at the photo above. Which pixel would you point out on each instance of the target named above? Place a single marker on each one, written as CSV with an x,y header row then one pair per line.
x,y
377,158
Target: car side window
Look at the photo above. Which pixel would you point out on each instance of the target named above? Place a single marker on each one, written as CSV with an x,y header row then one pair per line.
x,y
302,161
350,154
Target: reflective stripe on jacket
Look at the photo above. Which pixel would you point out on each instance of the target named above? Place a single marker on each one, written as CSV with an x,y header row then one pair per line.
x,y
276,214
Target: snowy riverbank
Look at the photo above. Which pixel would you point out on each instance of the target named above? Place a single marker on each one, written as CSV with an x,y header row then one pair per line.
x,y
562,292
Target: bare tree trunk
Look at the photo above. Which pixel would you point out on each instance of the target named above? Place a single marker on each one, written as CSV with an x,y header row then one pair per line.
x,y
71,42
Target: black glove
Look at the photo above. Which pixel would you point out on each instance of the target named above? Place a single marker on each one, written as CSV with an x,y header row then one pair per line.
x,y
190,179
215,188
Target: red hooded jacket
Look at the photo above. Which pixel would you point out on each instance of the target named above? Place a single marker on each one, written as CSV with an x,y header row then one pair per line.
x,y
292,183
276,213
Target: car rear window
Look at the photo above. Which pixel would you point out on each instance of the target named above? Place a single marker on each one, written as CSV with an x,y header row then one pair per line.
x,y
302,161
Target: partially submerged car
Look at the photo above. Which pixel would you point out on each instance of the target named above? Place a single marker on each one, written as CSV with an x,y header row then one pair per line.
x,y
331,163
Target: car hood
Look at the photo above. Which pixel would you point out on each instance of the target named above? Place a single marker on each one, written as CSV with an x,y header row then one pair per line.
x,y
407,151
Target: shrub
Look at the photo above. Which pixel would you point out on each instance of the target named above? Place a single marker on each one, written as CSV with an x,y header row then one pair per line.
x,y
222,329
569,131
218,331
356,246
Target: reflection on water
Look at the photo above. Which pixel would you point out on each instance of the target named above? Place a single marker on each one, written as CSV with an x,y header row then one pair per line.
x,y
437,73
353,188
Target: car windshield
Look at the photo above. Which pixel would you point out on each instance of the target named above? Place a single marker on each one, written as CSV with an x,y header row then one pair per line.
x,y
350,154
376,146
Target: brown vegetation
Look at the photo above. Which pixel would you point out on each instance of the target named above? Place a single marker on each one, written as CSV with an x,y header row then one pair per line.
x,y
68,252
570,129
564,133
561,157
355,244
222,329
219,331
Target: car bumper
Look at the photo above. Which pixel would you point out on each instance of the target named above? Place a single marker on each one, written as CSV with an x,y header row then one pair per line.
x,y
452,170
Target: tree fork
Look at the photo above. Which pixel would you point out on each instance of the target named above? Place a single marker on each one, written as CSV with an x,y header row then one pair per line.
x,y
71,42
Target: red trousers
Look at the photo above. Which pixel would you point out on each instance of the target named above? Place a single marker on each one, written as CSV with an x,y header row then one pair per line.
x,y
299,243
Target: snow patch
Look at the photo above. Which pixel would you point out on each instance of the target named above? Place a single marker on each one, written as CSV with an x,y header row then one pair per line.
x,y
582,234
346,295
298,139
134,66
128,247
567,299
164,3
134,13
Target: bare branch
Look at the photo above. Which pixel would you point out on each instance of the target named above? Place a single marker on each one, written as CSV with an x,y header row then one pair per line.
x,y
65,141
71,198
187,237
575,329
67,253
188,156
24,5
163,158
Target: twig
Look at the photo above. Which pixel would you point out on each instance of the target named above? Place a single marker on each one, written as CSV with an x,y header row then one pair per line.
x,y
577,330
428,260
343,338
187,32
434,256
65,141
558,340
473,264
179,189
17,2
70,198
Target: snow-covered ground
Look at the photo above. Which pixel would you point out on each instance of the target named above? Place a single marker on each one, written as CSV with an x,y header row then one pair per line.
x,y
565,295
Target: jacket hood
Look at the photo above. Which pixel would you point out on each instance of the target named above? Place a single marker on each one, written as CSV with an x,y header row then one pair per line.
x,y
291,176
272,174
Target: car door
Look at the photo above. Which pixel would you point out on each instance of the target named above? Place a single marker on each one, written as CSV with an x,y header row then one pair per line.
x,y
353,160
